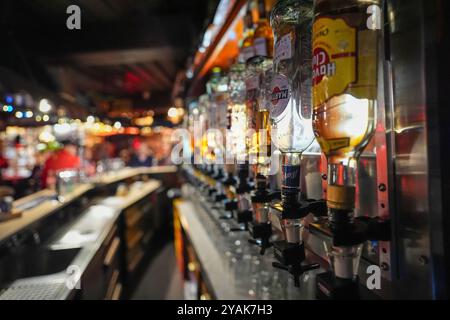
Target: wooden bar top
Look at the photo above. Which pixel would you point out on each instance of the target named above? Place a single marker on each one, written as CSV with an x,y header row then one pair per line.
x,y
110,178
47,207
135,194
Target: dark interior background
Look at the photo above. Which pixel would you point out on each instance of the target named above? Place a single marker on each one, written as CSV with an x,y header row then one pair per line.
x,y
125,49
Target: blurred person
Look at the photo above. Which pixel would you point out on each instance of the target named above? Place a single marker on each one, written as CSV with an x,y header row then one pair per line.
x,y
142,157
125,156
35,181
63,159
3,164
88,162
103,151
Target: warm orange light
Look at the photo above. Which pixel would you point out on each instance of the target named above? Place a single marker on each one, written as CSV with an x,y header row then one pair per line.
x,y
144,121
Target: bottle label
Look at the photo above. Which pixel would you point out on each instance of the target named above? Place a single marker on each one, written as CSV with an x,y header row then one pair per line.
x,y
247,53
291,178
283,48
251,86
334,58
333,144
260,47
280,95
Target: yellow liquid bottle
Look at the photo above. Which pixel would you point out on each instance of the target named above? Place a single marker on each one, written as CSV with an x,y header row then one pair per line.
x,y
345,55
346,48
247,49
262,135
263,37
345,75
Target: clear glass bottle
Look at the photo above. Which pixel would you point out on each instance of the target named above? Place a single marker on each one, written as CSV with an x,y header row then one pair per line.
x,y
197,133
190,119
238,116
252,88
258,106
291,111
236,125
217,89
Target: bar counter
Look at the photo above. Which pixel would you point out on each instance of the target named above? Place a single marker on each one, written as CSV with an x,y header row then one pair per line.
x,y
230,267
99,238
46,208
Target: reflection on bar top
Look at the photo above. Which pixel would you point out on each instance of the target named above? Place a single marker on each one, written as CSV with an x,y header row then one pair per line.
x,y
45,208
112,177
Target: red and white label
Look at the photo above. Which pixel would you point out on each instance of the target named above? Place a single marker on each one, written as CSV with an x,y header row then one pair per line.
x,y
280,95
283,48
322,66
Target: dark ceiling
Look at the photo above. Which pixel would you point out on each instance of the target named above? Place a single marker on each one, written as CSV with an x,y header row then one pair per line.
x,y
126,49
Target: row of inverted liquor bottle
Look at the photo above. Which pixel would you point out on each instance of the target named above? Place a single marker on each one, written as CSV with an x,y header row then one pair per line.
x,y
292,103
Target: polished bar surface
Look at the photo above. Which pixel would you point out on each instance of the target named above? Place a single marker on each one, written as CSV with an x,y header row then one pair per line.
x,y
57,286
214,247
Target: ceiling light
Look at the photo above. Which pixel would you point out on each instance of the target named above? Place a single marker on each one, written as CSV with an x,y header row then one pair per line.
x,y
172,113
44,106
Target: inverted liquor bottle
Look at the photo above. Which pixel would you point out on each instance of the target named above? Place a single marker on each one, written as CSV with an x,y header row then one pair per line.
x,y
291,90
252,89
259,151
258,100
247,49
236,96
203,130
238,116
263,36
197,134
237,121
190,124
346,50
217,89
203,135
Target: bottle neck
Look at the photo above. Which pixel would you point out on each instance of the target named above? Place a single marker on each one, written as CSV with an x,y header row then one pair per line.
x,y
248,21
261,182
341,193
290,187
262,9
342,174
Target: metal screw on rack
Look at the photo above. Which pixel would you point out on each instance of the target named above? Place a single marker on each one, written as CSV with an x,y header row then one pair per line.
x,y
423,260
